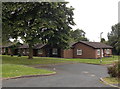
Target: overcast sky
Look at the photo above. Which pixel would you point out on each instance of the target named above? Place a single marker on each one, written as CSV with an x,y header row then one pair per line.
x,y
95,16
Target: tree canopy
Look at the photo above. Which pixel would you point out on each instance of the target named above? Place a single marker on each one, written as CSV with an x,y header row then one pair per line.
x,y
104,41
46,22
114,37
78,35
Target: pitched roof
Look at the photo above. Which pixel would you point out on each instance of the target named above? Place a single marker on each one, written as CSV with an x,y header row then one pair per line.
x,y
95,44
3,46
9,45
24,46
37,46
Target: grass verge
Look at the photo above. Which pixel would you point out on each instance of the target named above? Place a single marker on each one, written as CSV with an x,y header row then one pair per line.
x,y
105,60
7,59
49,60
12,70
112,80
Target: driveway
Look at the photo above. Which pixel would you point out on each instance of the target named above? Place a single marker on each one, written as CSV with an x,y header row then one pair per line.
x,y
68,75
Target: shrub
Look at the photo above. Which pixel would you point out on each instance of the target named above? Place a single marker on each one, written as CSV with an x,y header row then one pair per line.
x,y
114,70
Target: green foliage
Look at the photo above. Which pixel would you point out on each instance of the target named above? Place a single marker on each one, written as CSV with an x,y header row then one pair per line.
x,y
78,35
104,41
114,70
114,38
34,21
46,22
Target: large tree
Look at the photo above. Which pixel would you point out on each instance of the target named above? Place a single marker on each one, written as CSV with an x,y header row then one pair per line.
x,y
114,38
46,22
78,35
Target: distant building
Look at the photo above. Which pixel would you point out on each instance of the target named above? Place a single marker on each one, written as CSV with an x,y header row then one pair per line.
x,y
82,49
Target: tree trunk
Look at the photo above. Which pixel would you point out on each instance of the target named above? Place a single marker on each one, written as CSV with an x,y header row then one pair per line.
x,y
30,52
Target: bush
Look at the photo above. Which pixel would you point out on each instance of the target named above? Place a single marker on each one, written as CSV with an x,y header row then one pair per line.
x,y
114,70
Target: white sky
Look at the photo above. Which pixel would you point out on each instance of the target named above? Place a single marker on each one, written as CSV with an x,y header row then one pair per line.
x,y
95,16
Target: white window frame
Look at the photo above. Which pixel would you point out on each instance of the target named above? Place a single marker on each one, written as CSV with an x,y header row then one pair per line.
x,y
4,50
54,51
98,51
40,51
107,51
24,51
79,52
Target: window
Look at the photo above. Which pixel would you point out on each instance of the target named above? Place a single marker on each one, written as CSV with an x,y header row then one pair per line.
x,y
40,51
107,51
4,50
54,51
98,51
19,51
24,51
79,52
27,51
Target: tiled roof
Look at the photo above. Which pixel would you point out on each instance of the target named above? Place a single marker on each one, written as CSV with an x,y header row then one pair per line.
x,y
24,46
91,44
95,44
7,45
2,46
37,46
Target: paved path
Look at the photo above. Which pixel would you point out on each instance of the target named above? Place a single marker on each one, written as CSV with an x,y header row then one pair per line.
x,y
68,75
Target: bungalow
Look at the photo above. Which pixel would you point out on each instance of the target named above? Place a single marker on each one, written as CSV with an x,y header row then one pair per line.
x,y
41,50
82,49
9,49
37,50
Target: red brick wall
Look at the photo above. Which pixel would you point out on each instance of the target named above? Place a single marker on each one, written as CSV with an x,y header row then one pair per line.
x,y
87,52
67,53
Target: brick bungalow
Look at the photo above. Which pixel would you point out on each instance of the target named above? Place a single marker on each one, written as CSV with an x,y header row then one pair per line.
x,y
7,49
41,50
82,49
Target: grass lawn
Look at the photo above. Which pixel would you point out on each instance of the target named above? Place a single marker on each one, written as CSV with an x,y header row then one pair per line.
x,y
19,66
49,60
12,70
6,59
106,60
111,80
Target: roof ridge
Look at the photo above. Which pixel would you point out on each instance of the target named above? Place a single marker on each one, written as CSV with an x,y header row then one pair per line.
x,y
95,44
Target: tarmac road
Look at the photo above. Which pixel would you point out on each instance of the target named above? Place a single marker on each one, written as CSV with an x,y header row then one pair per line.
x,y
68,75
